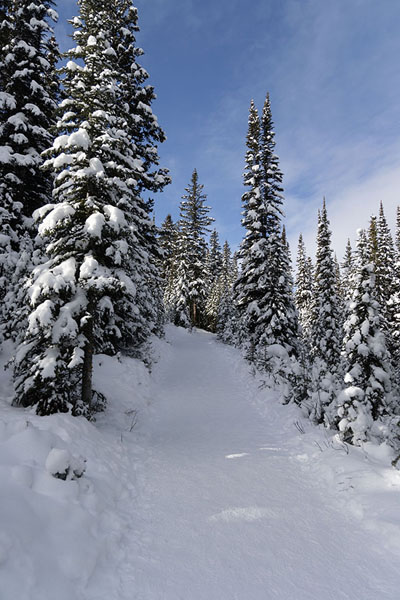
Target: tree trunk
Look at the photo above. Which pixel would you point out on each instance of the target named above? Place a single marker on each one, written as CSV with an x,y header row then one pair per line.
x,y
194,314
87,367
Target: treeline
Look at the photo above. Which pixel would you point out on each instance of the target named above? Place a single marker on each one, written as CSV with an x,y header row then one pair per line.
x,y
329,340
83,268
78,152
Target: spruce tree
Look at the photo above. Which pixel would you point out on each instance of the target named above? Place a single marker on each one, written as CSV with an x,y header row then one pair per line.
x,y
213,271
28,106
195,222
28,94
167,240
397,239
264,287
373,250
304,289
177,295
90,294
366,397
251,251
384,263
347,269
326,331
227,315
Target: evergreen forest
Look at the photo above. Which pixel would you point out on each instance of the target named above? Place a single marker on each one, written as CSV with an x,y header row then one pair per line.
x,y
85,270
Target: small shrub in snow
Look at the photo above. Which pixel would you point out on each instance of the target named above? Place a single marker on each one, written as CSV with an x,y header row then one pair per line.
x,y
62,465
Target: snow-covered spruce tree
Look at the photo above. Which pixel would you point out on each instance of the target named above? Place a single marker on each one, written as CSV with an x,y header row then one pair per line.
x,y
177,294
304,289
278,346
347,270
366,398
394,311
264,287
397,237
167,240
228,318
213,271
90,294
326,335
388,291
28,94
373,241
252,252
225,291
384,262
195,222
386,274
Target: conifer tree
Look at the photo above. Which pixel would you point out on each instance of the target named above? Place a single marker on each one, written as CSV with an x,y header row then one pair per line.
x,y
167,240
195,222
177,294
397,239
90,293
373,249
28,93
28,106
264,287
213,272
304,289
347,269
325,334
251,250
385,266
227,315
366,397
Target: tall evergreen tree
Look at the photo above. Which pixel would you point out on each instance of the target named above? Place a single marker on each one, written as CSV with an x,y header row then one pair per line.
x,y
385,267
366,397
213,272
177,294
251,251
227,323
325,334
373,250
304,289
28,106
347,269
384,262
264,287
28,94
195,222
90,293
167,240
397,239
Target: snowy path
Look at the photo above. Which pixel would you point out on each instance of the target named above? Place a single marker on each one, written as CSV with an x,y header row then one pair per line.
x,y
224,509
214,495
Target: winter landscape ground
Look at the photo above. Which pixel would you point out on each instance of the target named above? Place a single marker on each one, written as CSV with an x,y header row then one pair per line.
x,y
199,485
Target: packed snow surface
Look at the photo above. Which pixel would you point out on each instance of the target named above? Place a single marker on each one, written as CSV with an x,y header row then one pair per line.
x,y
195,484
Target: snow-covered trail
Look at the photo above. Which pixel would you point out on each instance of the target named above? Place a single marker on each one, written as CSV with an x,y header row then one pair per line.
x,y
224,508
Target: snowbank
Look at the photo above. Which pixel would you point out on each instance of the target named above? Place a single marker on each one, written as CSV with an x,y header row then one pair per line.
x,y
62,480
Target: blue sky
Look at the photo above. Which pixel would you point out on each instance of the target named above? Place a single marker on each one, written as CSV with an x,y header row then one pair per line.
x,y
332,70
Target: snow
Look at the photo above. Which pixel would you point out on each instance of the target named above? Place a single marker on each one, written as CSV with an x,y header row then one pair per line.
x,y
79,138
116,217
59,212
7,101
194,484
94,224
